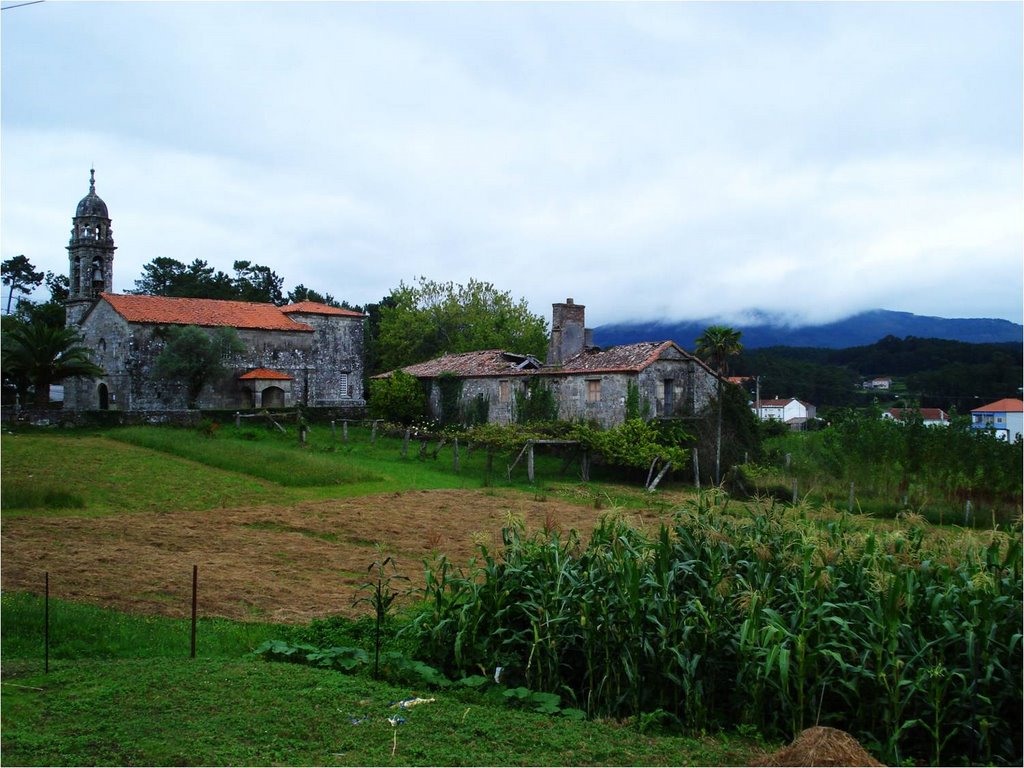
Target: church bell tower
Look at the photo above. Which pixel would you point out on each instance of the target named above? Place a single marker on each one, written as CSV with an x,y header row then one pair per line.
x,y
91,254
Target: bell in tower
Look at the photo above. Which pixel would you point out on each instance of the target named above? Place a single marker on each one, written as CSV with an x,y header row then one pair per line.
x,y
91,254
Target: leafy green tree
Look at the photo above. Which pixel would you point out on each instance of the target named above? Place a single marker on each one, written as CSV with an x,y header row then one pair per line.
x,y
429,318
254,282
741,431
19,275
194,356
50,312
372,345
37,355
302,293
164,276
716,345
398,397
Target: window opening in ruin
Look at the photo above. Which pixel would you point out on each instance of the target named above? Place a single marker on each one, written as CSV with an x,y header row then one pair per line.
x,y
593,390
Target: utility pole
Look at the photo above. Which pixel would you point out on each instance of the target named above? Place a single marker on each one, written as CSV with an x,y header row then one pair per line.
x,y
757,396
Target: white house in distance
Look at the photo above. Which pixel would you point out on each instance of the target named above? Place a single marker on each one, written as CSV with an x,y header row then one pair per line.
x,y
878,382
932,417
1004,417
793,412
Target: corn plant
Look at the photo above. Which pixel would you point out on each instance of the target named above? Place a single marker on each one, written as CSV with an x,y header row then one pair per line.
x,y
764,616
380,595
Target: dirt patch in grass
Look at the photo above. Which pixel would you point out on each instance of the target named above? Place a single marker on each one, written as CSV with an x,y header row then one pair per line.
x,y
284,564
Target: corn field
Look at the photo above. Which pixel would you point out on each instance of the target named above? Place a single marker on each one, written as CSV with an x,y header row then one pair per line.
x,y
907,637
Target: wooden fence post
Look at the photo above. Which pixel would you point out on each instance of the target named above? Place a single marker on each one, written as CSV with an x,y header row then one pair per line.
x,y
696,470
849,504
344,431
794,491
46,626
195,581
405,444
373,433
455,455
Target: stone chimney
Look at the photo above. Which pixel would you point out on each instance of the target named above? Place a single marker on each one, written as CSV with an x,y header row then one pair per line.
x,y
568,335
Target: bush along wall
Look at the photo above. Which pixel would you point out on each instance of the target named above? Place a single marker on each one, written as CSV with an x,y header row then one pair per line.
x,y
909,639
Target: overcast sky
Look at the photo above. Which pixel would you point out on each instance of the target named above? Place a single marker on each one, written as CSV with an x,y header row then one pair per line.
x,y
656,160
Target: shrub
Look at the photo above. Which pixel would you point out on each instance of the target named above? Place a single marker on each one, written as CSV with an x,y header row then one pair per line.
x,y
398,398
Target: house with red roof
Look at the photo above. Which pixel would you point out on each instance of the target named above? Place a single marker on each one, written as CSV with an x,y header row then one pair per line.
x,y
588,383
1004,418
930,417
306,353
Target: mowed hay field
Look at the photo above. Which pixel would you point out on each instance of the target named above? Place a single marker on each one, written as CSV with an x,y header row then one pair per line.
x,y
263,552
286,564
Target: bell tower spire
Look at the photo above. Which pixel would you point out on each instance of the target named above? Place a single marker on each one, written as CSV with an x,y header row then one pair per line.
x,y
90,254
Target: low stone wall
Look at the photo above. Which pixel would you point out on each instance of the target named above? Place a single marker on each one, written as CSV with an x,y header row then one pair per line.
x,y
56,417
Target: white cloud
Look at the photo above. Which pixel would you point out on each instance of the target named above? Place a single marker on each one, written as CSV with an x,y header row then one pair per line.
x,y
686,160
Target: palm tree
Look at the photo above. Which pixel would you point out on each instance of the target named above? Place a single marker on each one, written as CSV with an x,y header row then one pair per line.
x,y
39,355
716,345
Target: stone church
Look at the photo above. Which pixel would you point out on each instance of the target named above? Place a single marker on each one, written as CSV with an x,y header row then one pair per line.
x,y
305,353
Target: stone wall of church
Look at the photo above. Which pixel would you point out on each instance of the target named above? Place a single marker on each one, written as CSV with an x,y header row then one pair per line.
x,y
336,379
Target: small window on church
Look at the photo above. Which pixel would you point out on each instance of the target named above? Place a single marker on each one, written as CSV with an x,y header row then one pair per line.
x,y
344,386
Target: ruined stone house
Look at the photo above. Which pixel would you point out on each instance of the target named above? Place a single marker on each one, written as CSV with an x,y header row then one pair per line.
x,y
588,383
306,353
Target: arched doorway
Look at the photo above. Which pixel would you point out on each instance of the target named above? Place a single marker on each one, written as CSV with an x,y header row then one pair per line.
x,y
273,397
104,395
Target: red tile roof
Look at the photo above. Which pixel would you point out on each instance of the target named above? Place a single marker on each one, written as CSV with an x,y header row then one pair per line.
x,y
1006,405
316,308
165,310
497,362
487,362
266,373
625,358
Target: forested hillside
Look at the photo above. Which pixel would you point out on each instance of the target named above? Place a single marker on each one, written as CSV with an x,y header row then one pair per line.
x,y
934,373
